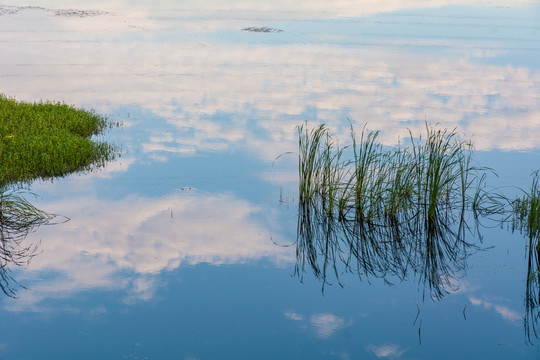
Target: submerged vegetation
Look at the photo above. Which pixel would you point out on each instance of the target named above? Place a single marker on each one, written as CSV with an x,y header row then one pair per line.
x,y
47,140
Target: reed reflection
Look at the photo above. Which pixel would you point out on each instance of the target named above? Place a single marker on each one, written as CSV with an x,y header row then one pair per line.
x,y
18,218
532,292
393,248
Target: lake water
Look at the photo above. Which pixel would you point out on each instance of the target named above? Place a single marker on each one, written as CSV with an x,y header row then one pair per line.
x,y
184,248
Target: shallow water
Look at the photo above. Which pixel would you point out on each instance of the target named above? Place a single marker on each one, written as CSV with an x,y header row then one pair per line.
x,y
179,248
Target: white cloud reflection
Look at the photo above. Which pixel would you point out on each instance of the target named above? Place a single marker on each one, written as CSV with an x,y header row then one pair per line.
x,y
291,315
219,89
324,325
125,244
505,312
389,351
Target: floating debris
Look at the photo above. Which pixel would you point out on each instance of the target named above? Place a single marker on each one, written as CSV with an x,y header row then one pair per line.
x,y
262,29
12,10
8,10
79,13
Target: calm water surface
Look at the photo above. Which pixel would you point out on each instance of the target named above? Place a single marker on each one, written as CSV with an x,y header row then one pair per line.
x,y
184,248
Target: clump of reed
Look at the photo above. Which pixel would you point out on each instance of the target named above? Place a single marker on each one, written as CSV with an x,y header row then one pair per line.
x,y
369,182
47,140
526,210
381,211
18,217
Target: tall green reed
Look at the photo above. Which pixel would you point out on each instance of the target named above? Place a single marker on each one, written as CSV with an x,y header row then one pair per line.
x,y
371,182
380,211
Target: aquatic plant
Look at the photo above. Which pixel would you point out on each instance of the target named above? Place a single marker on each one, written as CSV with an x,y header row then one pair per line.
x,y
370,182
526,218
368,175
18,217
381,211
47,140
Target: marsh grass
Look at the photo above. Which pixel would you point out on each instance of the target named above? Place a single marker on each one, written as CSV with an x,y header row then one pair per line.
x,y
18,217
381,212
527,210
369,182
47,140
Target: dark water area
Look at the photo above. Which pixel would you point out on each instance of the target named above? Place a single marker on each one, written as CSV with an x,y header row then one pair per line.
x,y
187,245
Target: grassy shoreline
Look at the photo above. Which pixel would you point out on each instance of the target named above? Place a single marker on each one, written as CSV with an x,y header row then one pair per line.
x,y
45,140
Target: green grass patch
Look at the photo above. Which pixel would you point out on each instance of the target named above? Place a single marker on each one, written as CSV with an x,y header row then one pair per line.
x,y
45,140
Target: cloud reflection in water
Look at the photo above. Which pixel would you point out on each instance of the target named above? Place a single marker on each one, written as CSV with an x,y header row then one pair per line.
x,y
390,351
220,89
505,312
143,237
324,325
